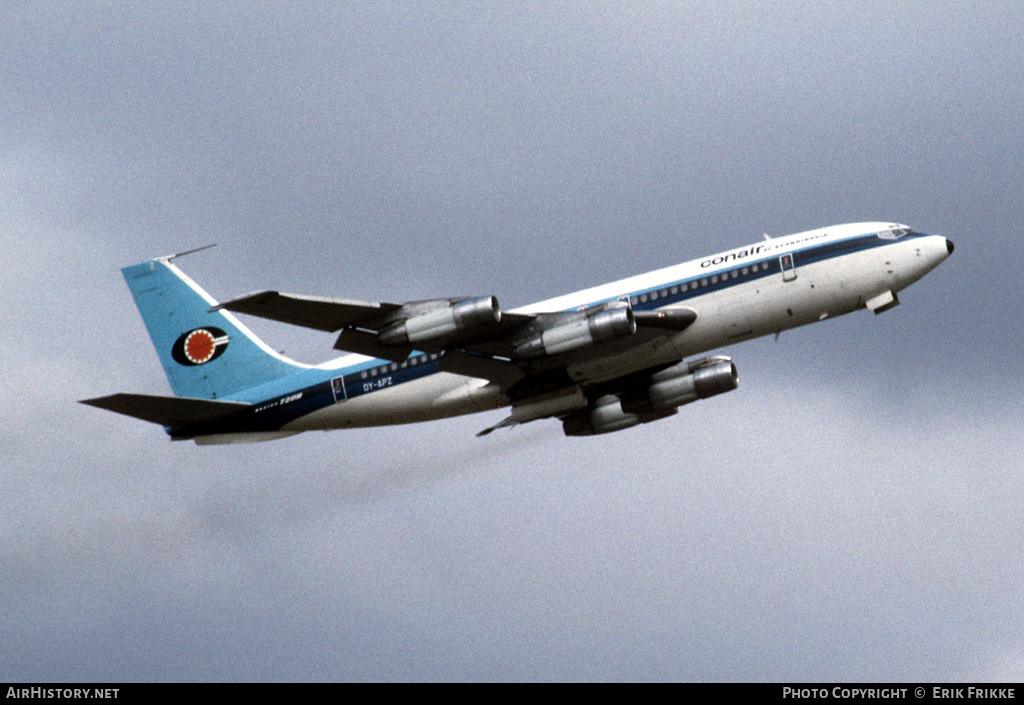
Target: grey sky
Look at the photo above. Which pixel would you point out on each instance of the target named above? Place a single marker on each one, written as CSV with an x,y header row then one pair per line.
x,y
851,512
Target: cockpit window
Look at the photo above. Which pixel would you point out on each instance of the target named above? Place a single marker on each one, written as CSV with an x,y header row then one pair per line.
x,y
895,233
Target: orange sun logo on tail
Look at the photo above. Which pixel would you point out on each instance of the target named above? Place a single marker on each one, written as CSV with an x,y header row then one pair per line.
x,y
199,346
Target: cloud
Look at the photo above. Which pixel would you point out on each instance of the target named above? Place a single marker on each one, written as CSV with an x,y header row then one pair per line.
x,y
851,512
677,550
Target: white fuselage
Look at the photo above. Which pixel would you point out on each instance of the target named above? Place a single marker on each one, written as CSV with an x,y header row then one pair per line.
x,y
737,295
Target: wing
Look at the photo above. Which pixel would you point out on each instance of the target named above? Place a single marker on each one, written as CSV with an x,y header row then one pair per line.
x,y
387,330
528,355
477,337
316,312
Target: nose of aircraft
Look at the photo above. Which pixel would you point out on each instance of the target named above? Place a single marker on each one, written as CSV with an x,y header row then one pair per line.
x,y
949,246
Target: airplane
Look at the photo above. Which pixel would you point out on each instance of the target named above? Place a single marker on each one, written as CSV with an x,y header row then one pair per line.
x,y
600,360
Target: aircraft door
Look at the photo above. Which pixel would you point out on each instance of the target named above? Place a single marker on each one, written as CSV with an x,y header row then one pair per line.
x,y
788,267
338,389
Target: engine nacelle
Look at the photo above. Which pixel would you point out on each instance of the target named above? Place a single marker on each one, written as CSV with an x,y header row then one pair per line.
x,y
434,325
614,321
667,391
607,416
683,384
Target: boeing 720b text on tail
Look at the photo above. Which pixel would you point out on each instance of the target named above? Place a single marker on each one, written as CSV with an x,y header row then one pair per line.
x,y
600,360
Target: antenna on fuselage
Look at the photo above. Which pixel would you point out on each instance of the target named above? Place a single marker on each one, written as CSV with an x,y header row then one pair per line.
x,y
767,236
168,258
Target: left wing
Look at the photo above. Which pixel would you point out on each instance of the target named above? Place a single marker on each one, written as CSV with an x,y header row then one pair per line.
x,y
386,330
316,312
477,337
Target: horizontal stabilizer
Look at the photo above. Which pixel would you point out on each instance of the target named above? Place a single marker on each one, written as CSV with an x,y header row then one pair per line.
x,y
168,411
317,312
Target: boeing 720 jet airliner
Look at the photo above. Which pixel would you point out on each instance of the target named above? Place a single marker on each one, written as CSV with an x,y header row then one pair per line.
x,y
600,360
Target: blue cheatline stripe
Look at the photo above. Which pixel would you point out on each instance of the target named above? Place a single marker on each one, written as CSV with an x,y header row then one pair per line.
x,y
275,405
767,266
304,396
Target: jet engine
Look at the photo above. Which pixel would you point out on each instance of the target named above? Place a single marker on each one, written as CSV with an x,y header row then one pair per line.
x,y
612,321
660,397
459,318
605,416
683,384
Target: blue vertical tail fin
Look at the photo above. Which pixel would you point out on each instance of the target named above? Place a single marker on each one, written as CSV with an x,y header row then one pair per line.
x,y
205,355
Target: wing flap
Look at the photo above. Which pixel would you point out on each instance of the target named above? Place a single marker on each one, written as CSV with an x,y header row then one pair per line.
x,y
366,343
503,372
